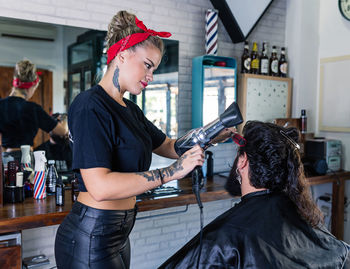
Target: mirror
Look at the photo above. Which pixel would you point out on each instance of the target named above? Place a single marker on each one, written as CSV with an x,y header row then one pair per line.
x,y
218,93
47,45
213,87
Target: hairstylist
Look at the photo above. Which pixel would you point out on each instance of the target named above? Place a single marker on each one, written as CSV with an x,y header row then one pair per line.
x,y
21,119
112,144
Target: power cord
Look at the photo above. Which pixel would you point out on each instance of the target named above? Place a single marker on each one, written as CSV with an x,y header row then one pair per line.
x,y
197,184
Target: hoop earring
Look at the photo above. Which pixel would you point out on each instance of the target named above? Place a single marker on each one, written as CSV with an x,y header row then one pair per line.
x,y
238,177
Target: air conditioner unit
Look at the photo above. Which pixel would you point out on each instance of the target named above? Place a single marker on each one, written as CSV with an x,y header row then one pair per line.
x,y
27,30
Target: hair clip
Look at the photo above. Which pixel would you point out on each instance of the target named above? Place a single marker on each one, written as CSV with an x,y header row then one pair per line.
x,y
239,140
290,139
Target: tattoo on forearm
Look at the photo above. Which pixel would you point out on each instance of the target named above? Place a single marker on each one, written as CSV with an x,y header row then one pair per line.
x,y
172,169
149,175
115,79
166,172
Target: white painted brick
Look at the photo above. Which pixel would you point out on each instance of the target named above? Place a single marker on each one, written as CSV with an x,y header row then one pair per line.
x,y
152,232
76,4
158,239
173,228
171,4
84,23
50,19
72,13
139,242
162,10
181,234
148,247
160,222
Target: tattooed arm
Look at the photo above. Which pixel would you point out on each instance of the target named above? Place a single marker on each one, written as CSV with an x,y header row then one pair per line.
x,y
103,184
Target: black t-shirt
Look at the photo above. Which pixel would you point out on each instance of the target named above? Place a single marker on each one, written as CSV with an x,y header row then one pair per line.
x,y
105,134
20,121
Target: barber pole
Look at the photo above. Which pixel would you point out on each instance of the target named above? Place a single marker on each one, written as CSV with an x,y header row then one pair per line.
x,y
211,32
39,175
39,185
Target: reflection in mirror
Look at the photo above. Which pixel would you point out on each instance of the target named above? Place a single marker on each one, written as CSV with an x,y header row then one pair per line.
x,y
86,62
160,98
219,92
45,45
72,58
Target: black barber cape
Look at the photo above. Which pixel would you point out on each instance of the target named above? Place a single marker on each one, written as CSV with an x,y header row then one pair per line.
x,y
264,230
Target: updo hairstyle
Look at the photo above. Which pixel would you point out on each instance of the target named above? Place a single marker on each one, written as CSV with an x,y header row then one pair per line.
x,y
122,25
25,71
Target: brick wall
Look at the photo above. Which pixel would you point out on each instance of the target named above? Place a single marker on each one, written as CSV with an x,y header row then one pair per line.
x,y
185,19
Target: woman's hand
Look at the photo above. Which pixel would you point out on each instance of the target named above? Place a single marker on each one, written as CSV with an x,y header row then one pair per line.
x,y
184,165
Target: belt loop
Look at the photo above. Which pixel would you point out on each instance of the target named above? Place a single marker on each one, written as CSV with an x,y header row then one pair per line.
x,y
82,212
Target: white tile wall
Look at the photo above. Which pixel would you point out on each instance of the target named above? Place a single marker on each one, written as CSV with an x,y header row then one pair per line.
x,y
185,19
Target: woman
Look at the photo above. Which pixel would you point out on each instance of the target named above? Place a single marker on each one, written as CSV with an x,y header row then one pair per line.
x,y
57,147
112,148
21,119
276,224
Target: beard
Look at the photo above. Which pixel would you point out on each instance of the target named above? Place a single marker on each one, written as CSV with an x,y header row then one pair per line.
x,y
232,185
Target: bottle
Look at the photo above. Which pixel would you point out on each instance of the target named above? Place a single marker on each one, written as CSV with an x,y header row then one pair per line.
x,y
51,178
59,192
210,164
254,65
303,121
26,157
39,175
283,64
264,61
245,59
75,189
273,62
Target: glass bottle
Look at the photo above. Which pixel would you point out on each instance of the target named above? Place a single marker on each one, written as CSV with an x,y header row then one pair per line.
x,y
75,188
273,62
254,66
245,59
303,121
59,192
283,64
51,178
264,61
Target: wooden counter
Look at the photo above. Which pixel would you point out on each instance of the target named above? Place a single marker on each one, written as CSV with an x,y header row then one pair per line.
x,y
37,213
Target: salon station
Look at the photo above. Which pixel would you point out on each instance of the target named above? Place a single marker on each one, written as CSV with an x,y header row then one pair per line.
x,y
202,72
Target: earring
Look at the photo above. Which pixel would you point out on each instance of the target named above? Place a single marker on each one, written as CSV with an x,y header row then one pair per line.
x,y
238,176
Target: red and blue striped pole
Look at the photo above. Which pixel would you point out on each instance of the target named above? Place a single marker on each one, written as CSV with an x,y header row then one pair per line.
x,y
211,32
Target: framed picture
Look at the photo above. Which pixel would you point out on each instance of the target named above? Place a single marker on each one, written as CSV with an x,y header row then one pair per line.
x,y
264,98
334,102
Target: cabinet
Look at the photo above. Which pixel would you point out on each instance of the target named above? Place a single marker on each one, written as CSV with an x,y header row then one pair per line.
x,y
10,251
86,61
213,87
264,98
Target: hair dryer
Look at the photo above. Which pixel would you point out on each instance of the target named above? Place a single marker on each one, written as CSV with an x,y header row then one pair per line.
x,y
203,136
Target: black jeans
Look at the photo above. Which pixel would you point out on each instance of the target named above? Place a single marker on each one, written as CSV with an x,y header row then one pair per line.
x,y
94,238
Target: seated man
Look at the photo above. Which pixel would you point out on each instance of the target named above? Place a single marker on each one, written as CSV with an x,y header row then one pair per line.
x,y
57,147
276,224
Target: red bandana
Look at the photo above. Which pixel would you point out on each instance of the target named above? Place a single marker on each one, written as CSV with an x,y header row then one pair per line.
x,y
17,83
132,40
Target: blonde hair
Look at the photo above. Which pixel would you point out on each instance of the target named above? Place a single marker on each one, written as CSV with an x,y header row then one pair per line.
x,y
122,25
25,71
